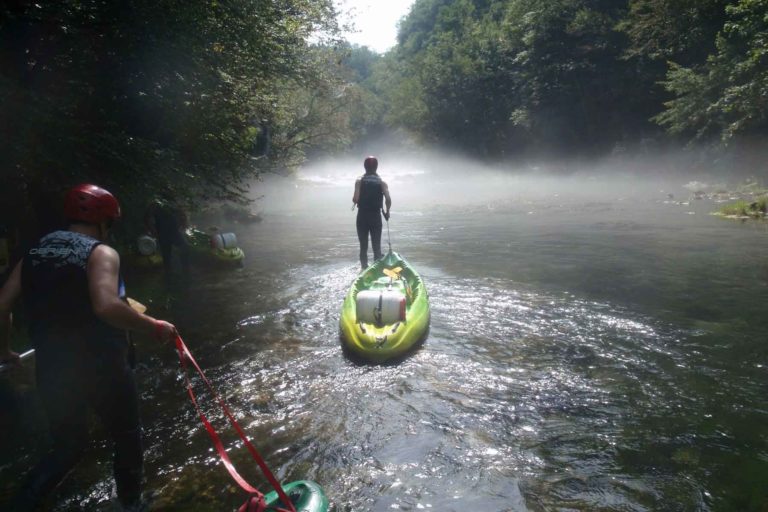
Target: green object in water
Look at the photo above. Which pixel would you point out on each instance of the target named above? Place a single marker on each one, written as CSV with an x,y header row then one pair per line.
x,y
371,332
200,246
305,495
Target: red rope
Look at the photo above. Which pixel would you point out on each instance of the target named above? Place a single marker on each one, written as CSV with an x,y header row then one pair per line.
x,y
255,502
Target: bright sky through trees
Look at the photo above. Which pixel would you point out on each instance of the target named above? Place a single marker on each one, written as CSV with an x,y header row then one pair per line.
x,y
375,21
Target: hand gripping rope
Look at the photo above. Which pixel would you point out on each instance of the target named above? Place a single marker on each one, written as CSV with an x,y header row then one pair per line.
x,y
255,502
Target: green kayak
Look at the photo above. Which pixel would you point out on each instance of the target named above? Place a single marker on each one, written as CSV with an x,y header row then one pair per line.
x,y
203,251
306,496
386,311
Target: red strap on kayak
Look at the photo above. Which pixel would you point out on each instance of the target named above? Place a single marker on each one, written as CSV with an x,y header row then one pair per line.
x,y
255,502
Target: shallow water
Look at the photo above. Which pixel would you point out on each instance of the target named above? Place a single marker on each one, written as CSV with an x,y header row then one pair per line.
x,y
595,345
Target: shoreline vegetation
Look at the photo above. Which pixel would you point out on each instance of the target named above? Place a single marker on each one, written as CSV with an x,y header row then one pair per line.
x,y
747,201
743,209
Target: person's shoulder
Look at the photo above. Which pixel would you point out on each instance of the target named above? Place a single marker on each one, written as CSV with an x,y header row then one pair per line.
x,y
56,234
104,251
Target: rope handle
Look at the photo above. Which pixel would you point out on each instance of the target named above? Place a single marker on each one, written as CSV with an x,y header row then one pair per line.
x,y
255,502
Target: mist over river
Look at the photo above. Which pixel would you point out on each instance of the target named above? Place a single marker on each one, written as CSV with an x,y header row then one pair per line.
x,y
596,344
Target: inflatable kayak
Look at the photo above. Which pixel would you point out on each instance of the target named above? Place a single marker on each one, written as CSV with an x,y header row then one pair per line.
x,y
306,496
219,248
386,311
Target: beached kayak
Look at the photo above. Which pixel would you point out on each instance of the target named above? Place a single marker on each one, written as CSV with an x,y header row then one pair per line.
x,y
386,311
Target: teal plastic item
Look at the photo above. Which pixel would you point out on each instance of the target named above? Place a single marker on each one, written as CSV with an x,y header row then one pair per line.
x,y
200,246
306,496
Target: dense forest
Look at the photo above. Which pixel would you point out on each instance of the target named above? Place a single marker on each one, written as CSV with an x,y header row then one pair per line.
x,y
497,78
198,98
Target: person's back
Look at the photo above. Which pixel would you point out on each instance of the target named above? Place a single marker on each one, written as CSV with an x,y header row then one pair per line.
x,y
77,315
371,192
57,299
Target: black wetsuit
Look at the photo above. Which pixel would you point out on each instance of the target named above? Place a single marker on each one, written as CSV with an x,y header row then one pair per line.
x,y
80,364
369,206
169,235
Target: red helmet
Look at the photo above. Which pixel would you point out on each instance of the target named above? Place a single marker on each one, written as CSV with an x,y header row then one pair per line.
x,y
371,164
91,204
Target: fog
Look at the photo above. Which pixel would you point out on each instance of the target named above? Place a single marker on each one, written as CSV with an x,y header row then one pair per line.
x,y
424,180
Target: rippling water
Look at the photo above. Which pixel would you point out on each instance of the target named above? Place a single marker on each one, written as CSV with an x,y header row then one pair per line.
x,y
595,348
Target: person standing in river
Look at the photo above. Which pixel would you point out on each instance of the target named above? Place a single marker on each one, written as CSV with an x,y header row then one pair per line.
x,y
370,194
77,314
166,221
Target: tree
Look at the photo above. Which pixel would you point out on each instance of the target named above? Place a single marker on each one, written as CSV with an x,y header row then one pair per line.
x,y
681,31
728,95
142,96
500,77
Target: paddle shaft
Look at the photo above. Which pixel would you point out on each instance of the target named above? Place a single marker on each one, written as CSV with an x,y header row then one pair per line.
x,y
389,240
22,356
138,306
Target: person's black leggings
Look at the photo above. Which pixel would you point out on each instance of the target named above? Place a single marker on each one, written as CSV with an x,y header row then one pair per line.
x,y
167,241
369,222
69,388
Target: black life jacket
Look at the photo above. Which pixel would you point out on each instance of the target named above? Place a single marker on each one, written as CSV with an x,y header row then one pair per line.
x,y
371,193
56,297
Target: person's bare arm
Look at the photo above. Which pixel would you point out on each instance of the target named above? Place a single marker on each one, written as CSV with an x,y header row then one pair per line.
x,y
356,195
103,281
9,293
387,199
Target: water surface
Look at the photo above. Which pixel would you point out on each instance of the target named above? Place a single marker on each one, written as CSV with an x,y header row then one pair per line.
x,y
595,345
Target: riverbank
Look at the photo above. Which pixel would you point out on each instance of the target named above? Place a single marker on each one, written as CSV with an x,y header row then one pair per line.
x,y
744,209
746,200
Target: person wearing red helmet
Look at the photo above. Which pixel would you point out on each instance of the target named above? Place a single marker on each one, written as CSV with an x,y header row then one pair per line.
x,y
78,315
370,194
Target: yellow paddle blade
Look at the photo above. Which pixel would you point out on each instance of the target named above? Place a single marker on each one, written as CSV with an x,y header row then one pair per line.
x,y
136,305
394,273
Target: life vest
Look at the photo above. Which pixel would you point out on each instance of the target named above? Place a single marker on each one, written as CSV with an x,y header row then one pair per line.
x,y
55,290
371,193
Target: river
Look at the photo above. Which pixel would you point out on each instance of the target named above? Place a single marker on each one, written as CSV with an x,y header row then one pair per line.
x,y
595,345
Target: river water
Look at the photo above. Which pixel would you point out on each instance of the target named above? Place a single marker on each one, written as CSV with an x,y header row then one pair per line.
x,y
595,345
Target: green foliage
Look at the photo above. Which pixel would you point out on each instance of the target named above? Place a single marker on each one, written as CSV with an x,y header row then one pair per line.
x,y
682,31
728,95
742,208
501,77
144,96
199,97
495,78
690,109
